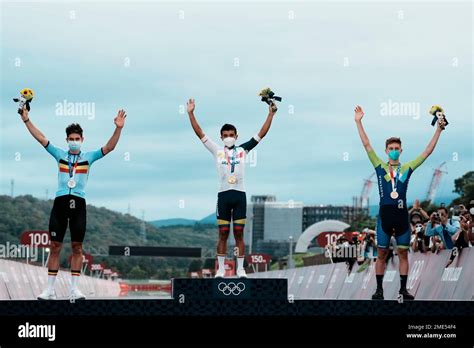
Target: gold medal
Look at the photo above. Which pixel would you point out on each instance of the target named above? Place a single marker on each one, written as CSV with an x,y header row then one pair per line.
x,y
232,179
394,194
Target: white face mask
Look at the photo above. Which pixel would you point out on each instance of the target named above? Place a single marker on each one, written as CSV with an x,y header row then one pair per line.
x,y
229,141
74,145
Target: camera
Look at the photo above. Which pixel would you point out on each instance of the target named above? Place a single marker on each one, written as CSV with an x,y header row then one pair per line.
x,y
436,218
419,232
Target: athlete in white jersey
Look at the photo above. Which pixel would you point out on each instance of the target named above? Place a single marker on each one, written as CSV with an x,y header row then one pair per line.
x,y
231,198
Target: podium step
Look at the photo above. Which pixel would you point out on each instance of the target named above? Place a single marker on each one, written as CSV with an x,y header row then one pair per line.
x,y
230,289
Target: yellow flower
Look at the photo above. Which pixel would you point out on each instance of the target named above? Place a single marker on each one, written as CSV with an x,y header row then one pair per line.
x,y
435,108
265,92
27,93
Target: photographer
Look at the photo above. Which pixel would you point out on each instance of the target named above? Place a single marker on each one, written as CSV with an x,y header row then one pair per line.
x,y
368,247
370,243
439,226
470,210
343,251
463,236
455,215
417,209
419,241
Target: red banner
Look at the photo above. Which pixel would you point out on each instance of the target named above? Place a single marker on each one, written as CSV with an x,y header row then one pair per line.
x,y
325,238
258,258
36,239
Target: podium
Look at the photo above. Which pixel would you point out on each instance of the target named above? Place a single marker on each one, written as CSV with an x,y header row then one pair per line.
x,y
228,289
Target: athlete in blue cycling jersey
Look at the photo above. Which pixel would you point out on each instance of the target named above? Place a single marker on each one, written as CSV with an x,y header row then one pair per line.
x,y
70,205
392,179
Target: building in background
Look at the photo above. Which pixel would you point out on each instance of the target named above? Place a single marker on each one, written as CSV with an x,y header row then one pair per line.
x,y
282,220
345,213
254,227
270,223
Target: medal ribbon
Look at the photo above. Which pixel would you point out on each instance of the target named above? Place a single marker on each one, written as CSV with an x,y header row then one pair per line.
x,y
394,180
231,161
72,172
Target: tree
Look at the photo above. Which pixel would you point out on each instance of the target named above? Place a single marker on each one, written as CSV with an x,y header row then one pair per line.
x,y
464,186
137,273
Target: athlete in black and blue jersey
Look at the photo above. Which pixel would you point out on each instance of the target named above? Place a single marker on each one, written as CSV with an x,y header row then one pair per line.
x,y
393,220
69,206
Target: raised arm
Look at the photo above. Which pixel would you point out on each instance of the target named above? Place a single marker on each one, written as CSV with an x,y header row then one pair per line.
x,y
268,122
359,114
434,140
119,121
197,129
35,132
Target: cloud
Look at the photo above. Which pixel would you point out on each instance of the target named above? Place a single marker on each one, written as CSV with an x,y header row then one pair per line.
x,y
323,62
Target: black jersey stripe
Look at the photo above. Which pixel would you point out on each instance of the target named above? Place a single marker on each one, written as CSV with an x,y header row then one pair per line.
x,y
79,164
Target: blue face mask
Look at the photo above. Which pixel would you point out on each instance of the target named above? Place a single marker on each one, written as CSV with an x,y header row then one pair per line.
x,y
394,155
74,145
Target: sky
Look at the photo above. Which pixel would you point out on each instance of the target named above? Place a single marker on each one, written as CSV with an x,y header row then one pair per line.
x,y
148,57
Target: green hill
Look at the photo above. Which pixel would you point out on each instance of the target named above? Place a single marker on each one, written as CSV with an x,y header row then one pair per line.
x,y
104,228
208,220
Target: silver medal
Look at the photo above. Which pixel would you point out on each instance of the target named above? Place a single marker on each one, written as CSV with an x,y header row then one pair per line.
x,y
71,183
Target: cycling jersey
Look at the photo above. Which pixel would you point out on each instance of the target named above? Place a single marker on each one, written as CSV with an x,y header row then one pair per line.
x,y
230,163
393,217
384,179
66,161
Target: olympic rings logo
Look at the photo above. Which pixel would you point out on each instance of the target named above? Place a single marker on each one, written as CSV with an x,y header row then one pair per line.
x,y
231,288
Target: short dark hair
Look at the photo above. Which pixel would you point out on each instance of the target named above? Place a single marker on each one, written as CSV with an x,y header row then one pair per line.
x,y
443,208
393,140
74,128
228,127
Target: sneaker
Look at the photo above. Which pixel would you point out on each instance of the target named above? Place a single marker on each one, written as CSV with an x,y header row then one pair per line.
x,y
241,273
76,294
378,294
220,273
406,295
48,294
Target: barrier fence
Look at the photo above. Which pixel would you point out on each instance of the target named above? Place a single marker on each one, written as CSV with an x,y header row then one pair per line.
x,y
21,281
428,279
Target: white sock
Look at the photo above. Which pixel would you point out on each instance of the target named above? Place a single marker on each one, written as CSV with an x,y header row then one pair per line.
x,y
240,263
74,281
221,262
51,280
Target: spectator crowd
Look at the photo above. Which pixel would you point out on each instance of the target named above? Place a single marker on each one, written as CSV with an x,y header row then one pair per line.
x,y
439,229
